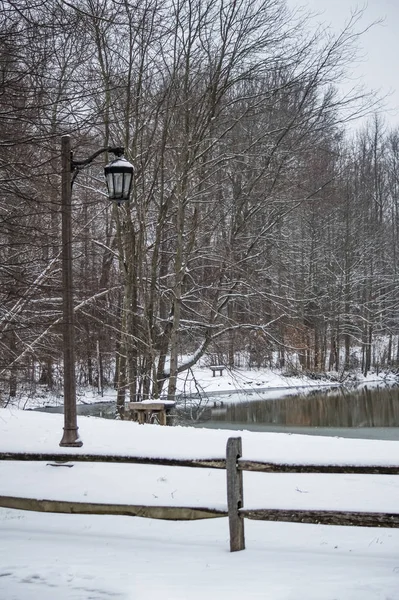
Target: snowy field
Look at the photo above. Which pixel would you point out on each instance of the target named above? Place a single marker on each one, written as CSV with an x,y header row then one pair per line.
x,y
77,557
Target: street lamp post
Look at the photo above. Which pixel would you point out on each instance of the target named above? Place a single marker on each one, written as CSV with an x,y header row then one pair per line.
x,y
119,179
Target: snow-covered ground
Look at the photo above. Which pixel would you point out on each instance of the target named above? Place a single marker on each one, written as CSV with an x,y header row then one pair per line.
x,y
66,557
77,557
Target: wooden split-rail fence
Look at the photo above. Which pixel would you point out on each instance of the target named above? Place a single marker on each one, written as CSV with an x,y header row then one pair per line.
x,y
236,513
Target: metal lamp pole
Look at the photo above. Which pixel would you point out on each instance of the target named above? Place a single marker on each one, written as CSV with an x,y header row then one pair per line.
x,y
119,178
71,435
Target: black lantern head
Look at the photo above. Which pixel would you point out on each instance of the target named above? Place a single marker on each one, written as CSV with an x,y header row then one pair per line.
x,y
119,178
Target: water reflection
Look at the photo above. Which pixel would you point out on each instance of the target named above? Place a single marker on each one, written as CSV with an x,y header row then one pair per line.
x,y
368,412
364,407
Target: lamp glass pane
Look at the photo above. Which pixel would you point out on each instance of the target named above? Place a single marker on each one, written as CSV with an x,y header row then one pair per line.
x,y
118,185
110,184
126,184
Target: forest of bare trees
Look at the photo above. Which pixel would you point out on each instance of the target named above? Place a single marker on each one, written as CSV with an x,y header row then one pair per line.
x,y
260,221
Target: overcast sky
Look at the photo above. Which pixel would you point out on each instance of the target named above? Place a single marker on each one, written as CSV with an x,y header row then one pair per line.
x,y
379,65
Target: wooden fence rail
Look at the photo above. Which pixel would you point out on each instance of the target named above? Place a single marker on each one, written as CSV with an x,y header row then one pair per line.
x,y
234,466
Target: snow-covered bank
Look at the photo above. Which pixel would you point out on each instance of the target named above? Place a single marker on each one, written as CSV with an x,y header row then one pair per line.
x,y
201,379
76,557
233,385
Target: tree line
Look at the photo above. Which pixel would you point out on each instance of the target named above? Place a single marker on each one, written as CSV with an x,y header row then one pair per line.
x,y
259,222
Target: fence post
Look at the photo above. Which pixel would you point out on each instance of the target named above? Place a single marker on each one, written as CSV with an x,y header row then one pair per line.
x,y
235,494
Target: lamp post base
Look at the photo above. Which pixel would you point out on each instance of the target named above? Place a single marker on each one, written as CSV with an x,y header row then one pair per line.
x,y
71,438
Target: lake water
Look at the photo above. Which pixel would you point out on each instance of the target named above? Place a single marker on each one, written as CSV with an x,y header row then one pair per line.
x,y
366,412
104,409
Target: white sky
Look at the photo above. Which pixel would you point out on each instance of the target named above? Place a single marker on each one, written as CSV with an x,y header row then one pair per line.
x,y
379,47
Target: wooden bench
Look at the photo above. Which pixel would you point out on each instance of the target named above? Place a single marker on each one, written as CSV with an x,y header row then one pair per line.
x,y
149,412
215,368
